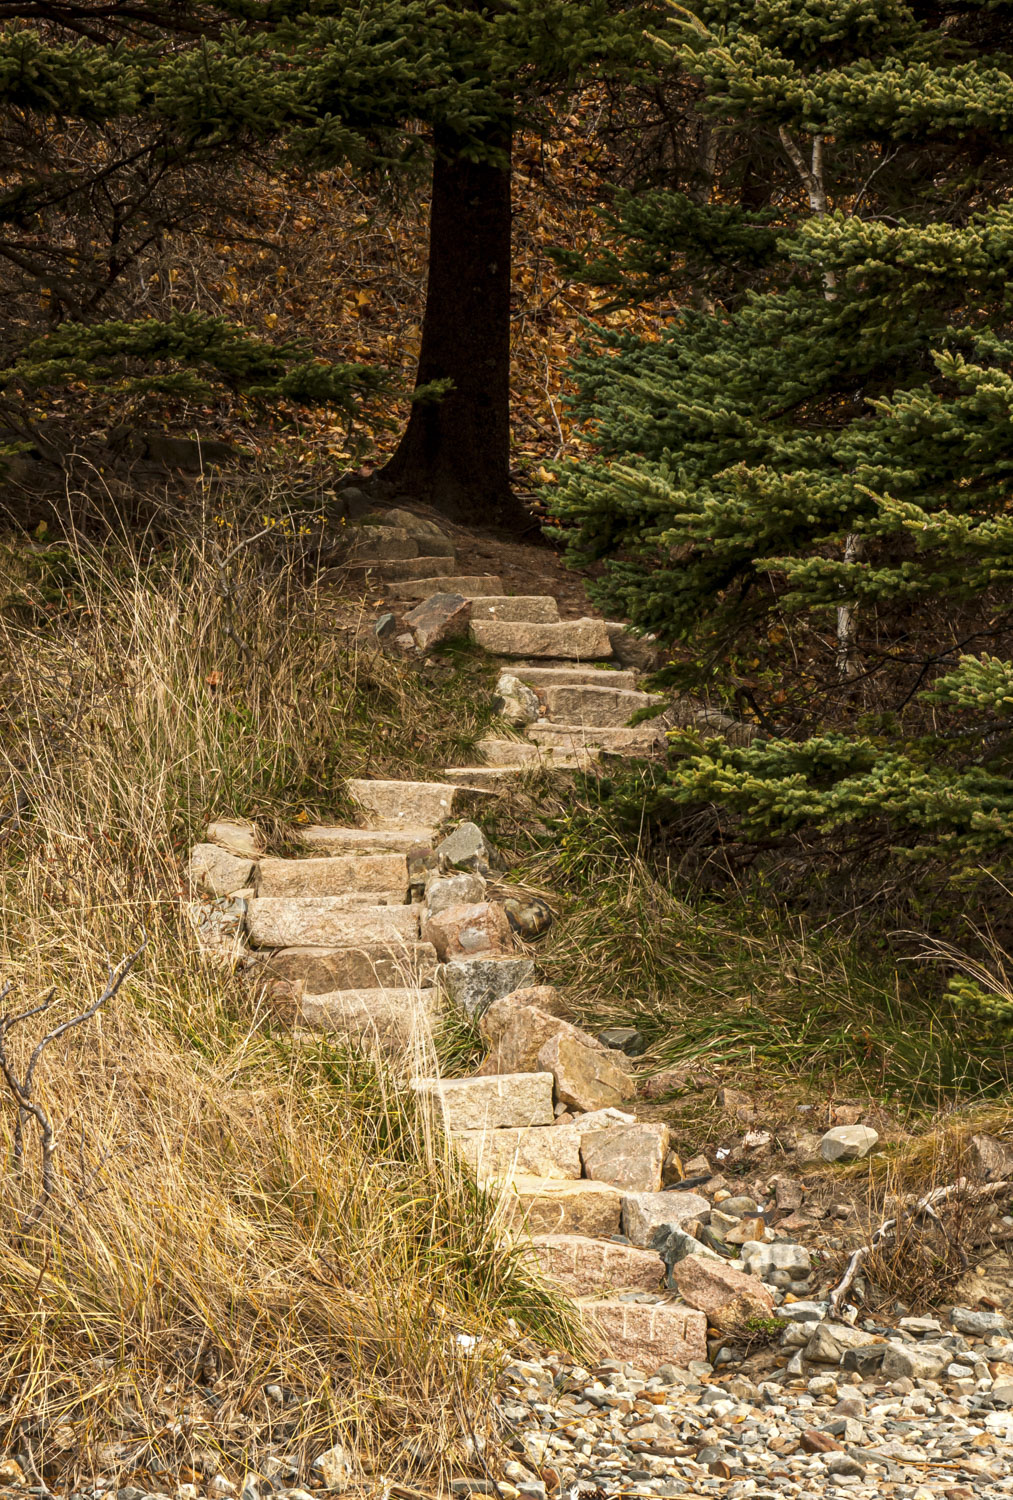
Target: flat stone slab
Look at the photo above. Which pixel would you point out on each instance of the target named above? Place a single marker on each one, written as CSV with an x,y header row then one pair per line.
x,y
586,1267
408,568
381,544
334,876
542,677
471,585
641,739
628,1156
576,640
322,839
369,966
390,803
533,609
385,1013
218,872
539,1205
516,1099
327,922
546,1151
487,778
643,1212
523,753
601,707
647,1335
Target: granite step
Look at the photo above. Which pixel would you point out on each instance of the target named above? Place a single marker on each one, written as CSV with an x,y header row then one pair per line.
x,y
642,739
583,1266
600,707
328,922
524,753
334,876
322,839
575,640
367,966
434,570
543,677
486,778
531,609
545,1205
471,585
389,1013
390,803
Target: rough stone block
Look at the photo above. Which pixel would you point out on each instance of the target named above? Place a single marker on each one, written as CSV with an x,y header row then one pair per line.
x,y
540,1206
369,966
848,1142
533,609
628,1156
597,706
728,1297
322,839
468,849
474,983
515,701
644,1212
470,585
571,640
381,544
520,1100
465,930
439,619
585,1267
379,874
217,871
515,1034
239,838
434,569
647,1335
463,888
544,677
418,803
642,739
587,1075
542,1152
327,922
388,1014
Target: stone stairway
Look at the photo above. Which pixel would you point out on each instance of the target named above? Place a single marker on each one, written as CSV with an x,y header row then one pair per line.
x,y
371,929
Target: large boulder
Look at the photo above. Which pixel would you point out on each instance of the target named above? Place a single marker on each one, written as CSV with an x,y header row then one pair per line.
x,y
727,1296
587,1075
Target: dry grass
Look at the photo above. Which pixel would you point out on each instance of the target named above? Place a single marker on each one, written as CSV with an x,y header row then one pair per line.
x,y
234,1210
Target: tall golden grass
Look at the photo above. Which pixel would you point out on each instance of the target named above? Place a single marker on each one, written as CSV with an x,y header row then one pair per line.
x,y
234,1209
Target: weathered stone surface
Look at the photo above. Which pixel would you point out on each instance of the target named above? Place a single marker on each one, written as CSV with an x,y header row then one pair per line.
x,y
438,570
327,922
587,1075
217,871
647,1336
463,888
829,1341
389,1014
761,1260
470,585
380,874
468,929
370,966
516,1033
539,1206
543,996
515,701
322,839
415,803
598,706
726,1295
239,838
410,522
643,1213
380,544
570,640
641,652
628,1156
585,1267
992,1157
541,1152
848,1142
520,1100
522,753
534,609
474,983
642,739
544,677
439,619
467,848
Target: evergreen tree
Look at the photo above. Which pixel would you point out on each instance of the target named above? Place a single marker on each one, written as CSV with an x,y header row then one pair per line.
x,y
806,477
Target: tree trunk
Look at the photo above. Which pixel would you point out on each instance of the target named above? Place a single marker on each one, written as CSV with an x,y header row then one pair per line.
x,y
455,451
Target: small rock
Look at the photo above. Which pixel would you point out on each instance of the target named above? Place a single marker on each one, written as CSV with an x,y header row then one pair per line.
x,y
439,619
915,1361
463,888
992,1157
239,838
760,1260
843,1463
830,1342
848,1142
466,930
218,871
624,1039
515,701
467,848
385,627
643,1213
727,1296
822,1385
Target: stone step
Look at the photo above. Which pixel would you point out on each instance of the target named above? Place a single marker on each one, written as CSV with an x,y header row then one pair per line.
x,y
436,570
387,1013
321,839
540,1205
328,922
600,707
544,1151
539,677
647,1335
503,1099
643,739
367,966
373,544
576,640
532,609
390,803
334,876
471,585
586,1267
485,778
524,753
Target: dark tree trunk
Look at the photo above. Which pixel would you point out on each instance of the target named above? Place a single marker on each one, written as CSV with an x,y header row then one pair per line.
x,y
455,451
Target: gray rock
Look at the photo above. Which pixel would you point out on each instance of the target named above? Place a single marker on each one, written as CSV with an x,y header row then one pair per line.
x,y
760,1260
461,888
467,848
802,1312
866,1359
385,626
976,1323
515,701
217,871
624,1039
848,1142
473,983
915,1361
334,1467
830,1341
